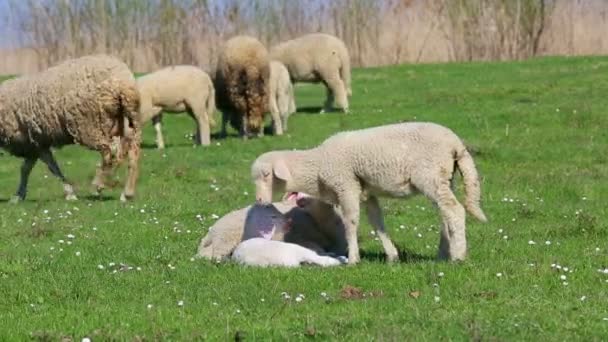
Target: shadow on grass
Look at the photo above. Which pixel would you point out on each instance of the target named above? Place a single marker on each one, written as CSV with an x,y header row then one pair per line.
x,y
99,198
309,110
404,257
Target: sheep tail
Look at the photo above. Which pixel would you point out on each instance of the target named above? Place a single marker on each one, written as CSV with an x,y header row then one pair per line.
x,y
472,188
211,105
129,101
345,71
205,249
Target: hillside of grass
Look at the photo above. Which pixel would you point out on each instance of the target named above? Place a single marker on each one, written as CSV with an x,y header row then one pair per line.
x,y
538,269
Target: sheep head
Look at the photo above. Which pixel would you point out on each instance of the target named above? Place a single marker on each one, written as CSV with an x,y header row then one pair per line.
x,y
270,173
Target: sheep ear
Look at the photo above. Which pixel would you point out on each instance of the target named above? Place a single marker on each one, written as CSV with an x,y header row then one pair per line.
x,y
281,171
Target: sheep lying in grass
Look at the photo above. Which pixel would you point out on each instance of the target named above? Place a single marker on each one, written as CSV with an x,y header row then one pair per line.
x,y
177,89
394,160
85,101
281,97
314,225
264,253
318,57
241,85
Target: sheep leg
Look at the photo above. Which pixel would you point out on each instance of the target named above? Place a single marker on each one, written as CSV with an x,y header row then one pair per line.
x,y
452,244
350,210
329,99
132,143
47,157
157,121
376,220
26,169
339,92
104,169
201,118
276,116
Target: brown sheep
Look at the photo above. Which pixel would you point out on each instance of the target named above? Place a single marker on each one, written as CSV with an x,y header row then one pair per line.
x,y
241,83
86,101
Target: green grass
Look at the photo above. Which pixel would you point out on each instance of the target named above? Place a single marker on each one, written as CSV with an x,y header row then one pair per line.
x,y
539,129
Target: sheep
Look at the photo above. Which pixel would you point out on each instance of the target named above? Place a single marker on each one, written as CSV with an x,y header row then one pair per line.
x,y
241,82
85,101
318,57
265,253
176,89
314,225
281,98
396,160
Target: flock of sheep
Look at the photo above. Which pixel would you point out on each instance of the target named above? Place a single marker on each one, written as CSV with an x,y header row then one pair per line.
x,y
95,101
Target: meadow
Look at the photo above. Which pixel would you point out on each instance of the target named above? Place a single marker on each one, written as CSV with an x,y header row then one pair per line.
x,y
538,269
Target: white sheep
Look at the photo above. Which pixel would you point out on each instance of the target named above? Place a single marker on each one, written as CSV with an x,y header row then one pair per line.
x,y
280,96
318,57
86,101
315,226
261,252
393,160
177,89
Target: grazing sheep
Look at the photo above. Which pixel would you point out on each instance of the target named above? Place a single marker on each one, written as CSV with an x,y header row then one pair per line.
x,y
281,98
241,83
177,89
265,253
85,101
395,161
318,57
313,226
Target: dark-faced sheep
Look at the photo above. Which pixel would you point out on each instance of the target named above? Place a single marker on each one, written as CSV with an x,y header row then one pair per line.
x,y
176,89
241,85
85,101
318,57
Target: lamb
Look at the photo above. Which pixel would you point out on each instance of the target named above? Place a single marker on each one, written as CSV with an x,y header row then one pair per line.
x,y
396,160
281,98
314,225
176,89
86,101
241,82
264,253
318,57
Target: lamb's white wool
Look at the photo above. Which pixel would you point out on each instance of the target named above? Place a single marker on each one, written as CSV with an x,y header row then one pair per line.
x,y
176,89
318,57
263,253
280,96
395,160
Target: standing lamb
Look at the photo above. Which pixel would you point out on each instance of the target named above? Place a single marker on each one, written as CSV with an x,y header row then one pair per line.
x,y
395,160
318,57
85,101
242,76
177,89
281,97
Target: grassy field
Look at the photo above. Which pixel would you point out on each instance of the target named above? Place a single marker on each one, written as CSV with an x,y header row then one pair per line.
x,y
539,132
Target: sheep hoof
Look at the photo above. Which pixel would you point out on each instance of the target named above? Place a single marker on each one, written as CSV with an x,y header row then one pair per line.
x,y
124,197
71,197
15,199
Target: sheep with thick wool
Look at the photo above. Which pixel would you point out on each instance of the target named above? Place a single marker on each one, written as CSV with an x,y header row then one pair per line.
x,y
314,225
86,101
318,57
394,160
281,98
177,89
241,85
